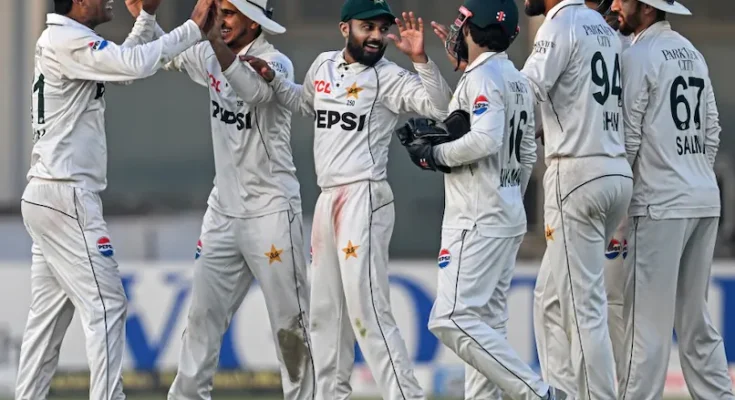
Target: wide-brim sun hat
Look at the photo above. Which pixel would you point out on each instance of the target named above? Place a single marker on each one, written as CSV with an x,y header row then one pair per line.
x,y
668,6
259,12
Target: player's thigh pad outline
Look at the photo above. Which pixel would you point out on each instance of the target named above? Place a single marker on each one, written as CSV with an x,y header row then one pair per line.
x,y
363,229
475,272
272,246
577,223
219,284
67,225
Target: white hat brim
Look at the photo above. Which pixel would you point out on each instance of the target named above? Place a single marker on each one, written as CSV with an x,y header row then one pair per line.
x,y
669,8
257,15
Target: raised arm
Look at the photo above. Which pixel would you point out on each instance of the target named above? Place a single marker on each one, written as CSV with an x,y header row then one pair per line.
x,y
90,57
190,60
427,93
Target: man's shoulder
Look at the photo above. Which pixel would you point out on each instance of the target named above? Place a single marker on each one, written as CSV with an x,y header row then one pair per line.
x,y
278,61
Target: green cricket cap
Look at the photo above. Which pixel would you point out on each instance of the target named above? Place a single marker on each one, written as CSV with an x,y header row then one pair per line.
x,y
366,9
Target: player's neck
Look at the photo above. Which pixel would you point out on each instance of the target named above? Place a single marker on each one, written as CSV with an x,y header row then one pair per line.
x,y
549,4
474,52
76,16
643,26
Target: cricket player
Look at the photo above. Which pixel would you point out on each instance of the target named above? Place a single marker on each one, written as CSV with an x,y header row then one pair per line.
x,y
356,97
575,72
671,139
252,228
615,253
487,171
74,267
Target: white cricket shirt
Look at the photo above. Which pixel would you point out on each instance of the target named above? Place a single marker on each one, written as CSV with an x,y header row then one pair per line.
x,y
672,129
491,164
576,75
72,62
355,110
251,132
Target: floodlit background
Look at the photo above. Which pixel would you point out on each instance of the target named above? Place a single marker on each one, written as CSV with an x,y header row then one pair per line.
x,y
161,171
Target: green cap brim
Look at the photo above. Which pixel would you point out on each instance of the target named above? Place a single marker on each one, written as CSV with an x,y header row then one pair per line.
x,y
371,14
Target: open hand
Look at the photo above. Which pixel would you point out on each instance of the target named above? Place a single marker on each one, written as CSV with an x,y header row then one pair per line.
x,y
260,66
204,14
411,39
442,32
134,7
215,31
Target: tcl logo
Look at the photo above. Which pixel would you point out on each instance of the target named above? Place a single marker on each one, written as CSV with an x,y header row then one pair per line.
x,y
230,118
213,82
323,87
325,119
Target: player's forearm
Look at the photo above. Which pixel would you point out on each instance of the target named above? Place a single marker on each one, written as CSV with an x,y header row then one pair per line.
x,y
292,95
224,55
470,148
632,145
248,85
143,30
438,92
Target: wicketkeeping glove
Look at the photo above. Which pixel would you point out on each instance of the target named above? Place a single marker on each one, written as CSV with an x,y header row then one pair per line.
x,y
420,135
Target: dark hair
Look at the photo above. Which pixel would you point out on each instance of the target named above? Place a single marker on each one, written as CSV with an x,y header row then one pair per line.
x,y
660,15
493,37
62,7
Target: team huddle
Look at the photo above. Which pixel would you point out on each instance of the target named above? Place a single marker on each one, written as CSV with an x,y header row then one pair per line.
x,y
630,131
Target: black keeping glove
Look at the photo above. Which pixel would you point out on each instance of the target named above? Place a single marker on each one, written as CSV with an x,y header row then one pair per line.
x,y
421,152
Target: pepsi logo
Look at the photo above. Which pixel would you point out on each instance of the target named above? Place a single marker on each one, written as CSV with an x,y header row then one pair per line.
x,y
199,250
445,258
614,249
105,247
481,105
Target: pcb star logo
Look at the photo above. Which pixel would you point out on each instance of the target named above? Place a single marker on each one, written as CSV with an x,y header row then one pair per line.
x,y
549,233
354,91
378,1
274,255
350,250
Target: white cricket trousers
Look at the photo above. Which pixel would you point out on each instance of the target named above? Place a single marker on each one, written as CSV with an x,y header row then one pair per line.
x,y
552,341
73,269
350,293
470,315
668,275
234,251
579,223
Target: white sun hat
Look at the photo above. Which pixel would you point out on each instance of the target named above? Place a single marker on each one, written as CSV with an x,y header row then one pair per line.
x,y
260,12
668,6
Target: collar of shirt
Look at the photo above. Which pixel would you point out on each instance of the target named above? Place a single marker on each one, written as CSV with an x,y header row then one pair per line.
x,y
554,10
343,65
58,19
657,27
254,45
484,57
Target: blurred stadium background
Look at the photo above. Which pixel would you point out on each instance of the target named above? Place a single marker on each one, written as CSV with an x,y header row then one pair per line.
x,y
161,172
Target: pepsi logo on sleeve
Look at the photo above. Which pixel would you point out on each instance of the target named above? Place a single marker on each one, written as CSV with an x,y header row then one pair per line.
x,y
445,258
105,247
481,105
